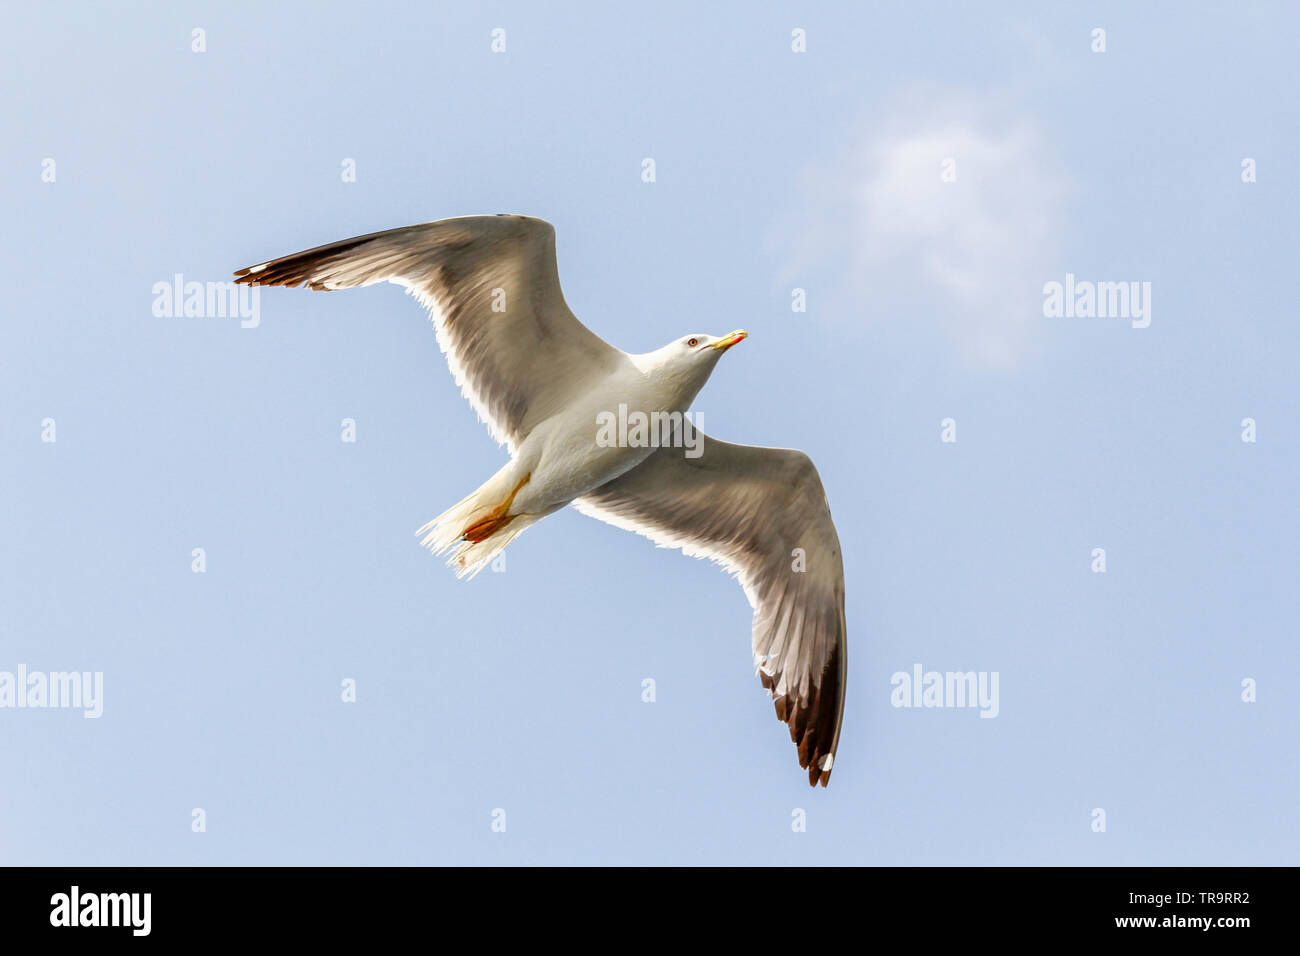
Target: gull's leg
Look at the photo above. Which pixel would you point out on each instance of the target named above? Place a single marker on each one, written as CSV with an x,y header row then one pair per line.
x,y
479,527
496,519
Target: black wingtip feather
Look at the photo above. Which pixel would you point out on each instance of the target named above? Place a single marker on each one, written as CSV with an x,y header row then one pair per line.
x,y
814,723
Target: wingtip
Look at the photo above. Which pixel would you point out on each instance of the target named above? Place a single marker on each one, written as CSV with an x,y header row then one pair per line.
x,y
248,274
821,774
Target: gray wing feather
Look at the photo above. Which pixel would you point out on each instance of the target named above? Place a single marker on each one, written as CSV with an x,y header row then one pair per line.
x,y
492,286
762,514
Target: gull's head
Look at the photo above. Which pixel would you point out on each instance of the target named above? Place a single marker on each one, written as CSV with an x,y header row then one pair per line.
x,y
696,354
700,349
688,361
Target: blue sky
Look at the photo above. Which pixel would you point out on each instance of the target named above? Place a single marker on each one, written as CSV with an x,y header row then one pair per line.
x,y
775,170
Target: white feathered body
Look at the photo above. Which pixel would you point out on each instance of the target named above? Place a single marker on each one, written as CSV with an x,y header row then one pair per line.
x,y
562,459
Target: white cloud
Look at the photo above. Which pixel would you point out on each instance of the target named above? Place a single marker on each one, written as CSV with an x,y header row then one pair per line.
x,y
971,254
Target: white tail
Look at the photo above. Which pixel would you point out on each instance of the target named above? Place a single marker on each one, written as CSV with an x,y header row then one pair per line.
x,y
487,510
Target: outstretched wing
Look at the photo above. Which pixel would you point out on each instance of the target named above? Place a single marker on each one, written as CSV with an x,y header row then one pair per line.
x,y
491,284
762,513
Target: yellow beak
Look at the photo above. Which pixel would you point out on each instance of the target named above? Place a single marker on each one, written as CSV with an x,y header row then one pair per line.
x,y
730,339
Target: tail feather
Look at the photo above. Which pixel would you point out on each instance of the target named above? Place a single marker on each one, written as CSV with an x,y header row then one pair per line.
x,y
487,534
446,529
471,557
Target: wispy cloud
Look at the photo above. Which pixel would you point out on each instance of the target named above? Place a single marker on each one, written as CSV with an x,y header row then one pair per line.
x,y
950,202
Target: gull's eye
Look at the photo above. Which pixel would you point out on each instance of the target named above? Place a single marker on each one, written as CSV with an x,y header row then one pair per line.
x,y
692,342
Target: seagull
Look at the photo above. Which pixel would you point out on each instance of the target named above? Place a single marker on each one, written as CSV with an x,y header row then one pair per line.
x,y
542,383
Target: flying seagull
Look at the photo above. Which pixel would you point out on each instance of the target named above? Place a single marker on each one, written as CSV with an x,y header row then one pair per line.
x,y
542,382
